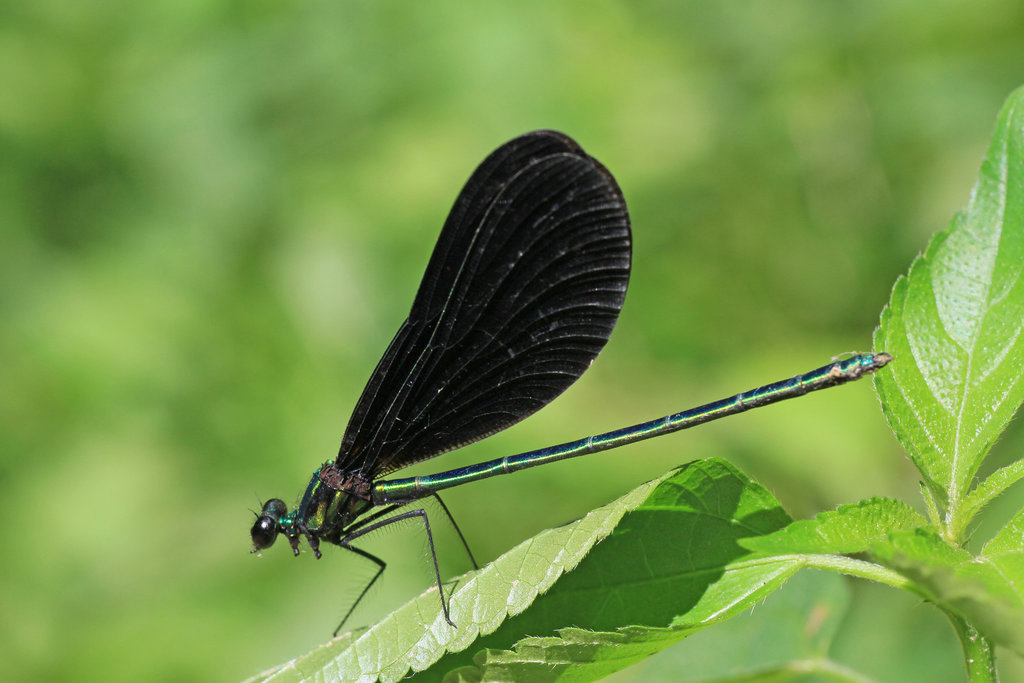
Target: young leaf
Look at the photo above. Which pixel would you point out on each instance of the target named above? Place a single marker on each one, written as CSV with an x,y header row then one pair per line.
x,y
848,529
665,556
987,591
954,326
992,486
1010,538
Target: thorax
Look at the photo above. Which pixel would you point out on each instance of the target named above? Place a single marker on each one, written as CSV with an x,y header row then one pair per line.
x,y
332,501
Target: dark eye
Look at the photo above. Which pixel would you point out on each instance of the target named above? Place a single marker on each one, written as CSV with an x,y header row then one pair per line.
x,y
264,532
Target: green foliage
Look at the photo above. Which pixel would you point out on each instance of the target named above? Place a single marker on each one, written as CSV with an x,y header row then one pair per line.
x,y
787,637
955,321
848,529
985,591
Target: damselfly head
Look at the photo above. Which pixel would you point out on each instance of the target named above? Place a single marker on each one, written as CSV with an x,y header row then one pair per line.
x,y
268,524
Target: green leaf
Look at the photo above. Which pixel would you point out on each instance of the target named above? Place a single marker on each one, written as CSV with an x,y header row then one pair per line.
x,y
848,529
1010,538
987,591
788,636
574,654
954,326
992,486
648,569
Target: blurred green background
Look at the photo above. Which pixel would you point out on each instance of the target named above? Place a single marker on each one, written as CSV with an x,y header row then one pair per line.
x,y
214,215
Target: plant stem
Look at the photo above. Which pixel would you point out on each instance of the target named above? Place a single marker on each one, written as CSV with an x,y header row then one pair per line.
x,y
933,507
858,568
826,668
979,657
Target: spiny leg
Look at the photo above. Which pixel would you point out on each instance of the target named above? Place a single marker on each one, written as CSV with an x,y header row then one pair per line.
x,y
394,506
454,582
457,530
381,566
383,512
422,514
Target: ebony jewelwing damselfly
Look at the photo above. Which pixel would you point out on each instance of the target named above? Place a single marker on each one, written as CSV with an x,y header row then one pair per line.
x,y
520,295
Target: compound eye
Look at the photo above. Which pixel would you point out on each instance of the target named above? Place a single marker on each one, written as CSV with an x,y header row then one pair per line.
x,y
264,532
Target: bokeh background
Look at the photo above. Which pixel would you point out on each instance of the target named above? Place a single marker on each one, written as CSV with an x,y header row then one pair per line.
x,y
214,215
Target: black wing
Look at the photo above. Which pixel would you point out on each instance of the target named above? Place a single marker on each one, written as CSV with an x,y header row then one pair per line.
x,y
521,293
